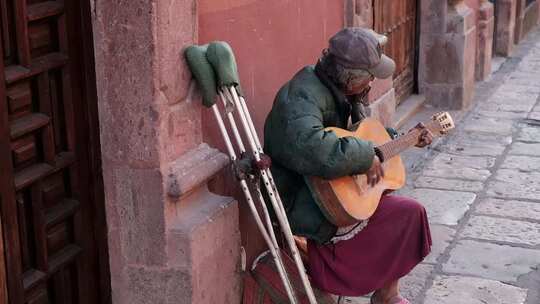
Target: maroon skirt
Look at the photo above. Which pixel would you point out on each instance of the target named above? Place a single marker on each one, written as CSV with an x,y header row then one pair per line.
x,y
395,240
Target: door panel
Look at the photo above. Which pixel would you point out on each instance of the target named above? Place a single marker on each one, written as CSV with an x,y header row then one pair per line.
x,y
47,201
397,20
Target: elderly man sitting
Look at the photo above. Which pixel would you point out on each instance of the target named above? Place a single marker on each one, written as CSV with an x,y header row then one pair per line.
x,y
374,254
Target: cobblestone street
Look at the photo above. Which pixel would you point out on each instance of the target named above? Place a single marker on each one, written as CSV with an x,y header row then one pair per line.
x,y
481,187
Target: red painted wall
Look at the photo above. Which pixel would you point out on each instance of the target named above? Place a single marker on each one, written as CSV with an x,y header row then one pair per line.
x,y
272,40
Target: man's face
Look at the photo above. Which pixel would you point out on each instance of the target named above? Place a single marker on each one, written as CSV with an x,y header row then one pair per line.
x,y
355,87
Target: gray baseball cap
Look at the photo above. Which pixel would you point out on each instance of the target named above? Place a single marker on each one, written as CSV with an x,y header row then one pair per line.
x,y
360,48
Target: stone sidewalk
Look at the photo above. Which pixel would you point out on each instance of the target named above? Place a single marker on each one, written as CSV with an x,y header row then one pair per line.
x,y
481,187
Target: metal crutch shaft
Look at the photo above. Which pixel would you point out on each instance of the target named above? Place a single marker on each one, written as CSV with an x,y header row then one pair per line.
x,y
282,218
259,148
241,146
272,246
260,198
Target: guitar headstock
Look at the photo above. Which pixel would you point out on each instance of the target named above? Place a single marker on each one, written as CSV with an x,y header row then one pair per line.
x,y
445,122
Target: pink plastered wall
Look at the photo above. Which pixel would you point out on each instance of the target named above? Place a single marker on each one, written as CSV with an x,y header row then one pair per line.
x,y
272,40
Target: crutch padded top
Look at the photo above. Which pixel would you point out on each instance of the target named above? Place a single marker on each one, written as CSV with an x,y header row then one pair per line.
x,y
222,59
203,72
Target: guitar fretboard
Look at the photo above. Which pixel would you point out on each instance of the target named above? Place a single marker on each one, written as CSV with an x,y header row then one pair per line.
x,y
396,146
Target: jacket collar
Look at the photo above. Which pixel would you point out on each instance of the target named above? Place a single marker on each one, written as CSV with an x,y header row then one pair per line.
x,y
343,105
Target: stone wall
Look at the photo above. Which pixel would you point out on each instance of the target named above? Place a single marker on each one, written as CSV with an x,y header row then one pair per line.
x,y
505,27
166,231
447,53
486,28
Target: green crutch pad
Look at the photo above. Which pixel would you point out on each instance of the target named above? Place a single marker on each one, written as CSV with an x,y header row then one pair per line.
x,y
221,56
203,72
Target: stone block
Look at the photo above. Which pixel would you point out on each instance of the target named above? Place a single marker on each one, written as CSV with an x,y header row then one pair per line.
x,y
529,134
525,148
534,115
473,149
458,173
522,82
509,209
475,162
153,285
502,114
450,83
442,236
502,230
491,261
508,106
443,207
203,238
467,290
531,17
135,215
449,58
182,129
448,184
384,108
474,168
521,163
477,144
505,12
194,168
515,184
485,29
446,97
128,114
173,34
412,284
520,16
482,124
433,20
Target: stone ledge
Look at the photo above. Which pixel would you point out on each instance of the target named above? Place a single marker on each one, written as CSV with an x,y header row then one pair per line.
x,y
407,108
194,168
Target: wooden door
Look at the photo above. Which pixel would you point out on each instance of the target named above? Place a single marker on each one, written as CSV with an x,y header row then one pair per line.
x,y
397,20
51,203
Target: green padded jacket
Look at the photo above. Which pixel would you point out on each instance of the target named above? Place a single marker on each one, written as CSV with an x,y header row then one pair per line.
x,y
295,139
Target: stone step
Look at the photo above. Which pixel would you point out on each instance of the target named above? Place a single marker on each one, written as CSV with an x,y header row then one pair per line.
x,y
407,109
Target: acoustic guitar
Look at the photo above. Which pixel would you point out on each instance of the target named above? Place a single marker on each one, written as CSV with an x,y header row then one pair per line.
x,y
350,199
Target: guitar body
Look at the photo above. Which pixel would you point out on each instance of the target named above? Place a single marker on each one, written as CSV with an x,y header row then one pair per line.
x,y
347,200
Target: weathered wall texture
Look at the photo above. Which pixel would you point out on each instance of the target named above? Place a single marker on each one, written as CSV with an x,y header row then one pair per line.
x,y
165,230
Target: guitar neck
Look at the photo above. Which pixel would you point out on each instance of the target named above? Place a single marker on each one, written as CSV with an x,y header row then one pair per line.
x,y
402,143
